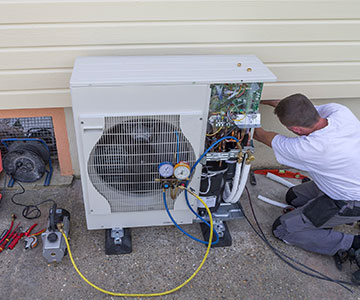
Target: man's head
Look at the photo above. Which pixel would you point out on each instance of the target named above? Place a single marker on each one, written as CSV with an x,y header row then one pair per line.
x,y
298,114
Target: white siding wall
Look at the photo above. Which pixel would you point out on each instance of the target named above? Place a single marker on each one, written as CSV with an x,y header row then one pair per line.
x,y
312,46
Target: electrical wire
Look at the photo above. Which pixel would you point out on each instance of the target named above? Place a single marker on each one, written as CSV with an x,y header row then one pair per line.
x,y
208,185
244,116
31,211
144,294
284,256
214,133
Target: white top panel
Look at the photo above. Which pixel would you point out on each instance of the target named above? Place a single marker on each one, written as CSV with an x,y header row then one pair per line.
x,y
195,69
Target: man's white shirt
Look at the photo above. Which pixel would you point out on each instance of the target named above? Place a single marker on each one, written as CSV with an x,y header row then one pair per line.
x,y
330,155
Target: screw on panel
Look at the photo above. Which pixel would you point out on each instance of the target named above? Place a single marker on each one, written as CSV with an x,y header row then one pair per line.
x,y
239,65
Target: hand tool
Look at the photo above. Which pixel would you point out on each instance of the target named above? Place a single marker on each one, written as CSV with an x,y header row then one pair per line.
x,y
252,178
10,238
30,242
13,217
27,234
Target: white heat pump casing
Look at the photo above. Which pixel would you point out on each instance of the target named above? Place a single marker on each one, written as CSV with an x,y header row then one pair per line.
x,y
121,87
90,107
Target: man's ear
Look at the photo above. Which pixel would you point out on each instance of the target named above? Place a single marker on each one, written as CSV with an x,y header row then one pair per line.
x,y
296,129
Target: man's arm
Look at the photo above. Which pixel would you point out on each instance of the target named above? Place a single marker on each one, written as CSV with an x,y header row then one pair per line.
x,y
263,136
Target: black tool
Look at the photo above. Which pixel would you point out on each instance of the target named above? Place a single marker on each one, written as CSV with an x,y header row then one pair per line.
x,y
252,178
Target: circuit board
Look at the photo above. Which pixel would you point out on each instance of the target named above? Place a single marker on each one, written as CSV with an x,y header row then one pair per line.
x,y
235,104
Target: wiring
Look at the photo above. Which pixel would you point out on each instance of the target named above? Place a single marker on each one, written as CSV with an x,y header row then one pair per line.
x,y
244,116
144,294
208,184
214,133
284,257
208,176
31,211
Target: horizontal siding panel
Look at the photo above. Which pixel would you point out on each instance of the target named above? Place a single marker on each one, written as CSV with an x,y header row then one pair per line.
x,y
112,11
59,78
316,71
314,90
61,97
64,57
35,99
176,32
34,79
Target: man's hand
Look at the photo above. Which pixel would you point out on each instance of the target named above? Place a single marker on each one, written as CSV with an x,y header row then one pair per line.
x,y
272,103
263,136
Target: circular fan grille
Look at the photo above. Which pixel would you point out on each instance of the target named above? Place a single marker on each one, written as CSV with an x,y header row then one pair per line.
x,y
125,159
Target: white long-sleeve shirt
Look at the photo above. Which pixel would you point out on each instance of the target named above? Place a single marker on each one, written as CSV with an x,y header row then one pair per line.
x,y
330,155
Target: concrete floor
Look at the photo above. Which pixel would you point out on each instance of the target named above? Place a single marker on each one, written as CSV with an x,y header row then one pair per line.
x,y
163,257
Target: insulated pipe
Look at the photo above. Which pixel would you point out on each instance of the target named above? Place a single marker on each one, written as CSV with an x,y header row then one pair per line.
x,y
279,180
243,180
227,191
236,182
244,175
272,202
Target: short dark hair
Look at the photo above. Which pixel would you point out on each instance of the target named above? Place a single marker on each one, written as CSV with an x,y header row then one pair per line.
x,y
297,110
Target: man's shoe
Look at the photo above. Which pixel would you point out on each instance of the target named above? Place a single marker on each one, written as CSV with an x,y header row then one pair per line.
x,y
355,277
340,257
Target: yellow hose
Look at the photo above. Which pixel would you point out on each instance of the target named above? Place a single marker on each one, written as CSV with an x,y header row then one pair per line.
x,y
151,294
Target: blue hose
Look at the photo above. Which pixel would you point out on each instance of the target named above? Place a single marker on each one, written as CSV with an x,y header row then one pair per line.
x,y
212,146
183,231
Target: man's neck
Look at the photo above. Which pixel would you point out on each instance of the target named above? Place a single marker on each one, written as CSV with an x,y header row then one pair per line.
x,y
322,123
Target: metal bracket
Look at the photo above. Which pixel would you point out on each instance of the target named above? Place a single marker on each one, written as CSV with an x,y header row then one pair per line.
x,y
117,234
219,227
225,212
216,156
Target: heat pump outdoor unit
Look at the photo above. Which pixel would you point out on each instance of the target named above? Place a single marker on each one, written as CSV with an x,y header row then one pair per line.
x,y
134,113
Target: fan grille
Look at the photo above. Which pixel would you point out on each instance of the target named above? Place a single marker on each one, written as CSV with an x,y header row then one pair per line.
x,y
124,162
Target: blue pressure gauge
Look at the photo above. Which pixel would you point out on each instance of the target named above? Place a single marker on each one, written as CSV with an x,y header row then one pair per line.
x,y
166,169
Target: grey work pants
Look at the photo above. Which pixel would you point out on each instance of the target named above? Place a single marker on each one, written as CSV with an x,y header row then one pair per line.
x,y
297,229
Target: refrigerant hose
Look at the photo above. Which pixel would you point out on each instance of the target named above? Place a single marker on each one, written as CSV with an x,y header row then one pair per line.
x,y
144,294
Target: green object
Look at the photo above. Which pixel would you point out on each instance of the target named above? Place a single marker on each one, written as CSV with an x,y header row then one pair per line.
x,y
234,99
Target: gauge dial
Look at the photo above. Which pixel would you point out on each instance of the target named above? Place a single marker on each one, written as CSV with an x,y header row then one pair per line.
x,y
166,169
182,171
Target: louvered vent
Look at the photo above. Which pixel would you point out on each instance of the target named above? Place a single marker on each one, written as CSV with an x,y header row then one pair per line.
x,y
124,162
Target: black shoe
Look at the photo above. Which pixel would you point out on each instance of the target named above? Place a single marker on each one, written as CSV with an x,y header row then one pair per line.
x,y
340,257
355,277
354,256
275,225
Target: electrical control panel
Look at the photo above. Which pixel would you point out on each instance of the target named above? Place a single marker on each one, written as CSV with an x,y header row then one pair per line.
x,y
233,110
234,104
